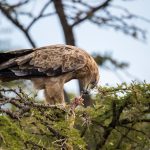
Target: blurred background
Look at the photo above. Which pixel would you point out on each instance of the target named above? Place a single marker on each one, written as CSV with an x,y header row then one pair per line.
x,y
114,32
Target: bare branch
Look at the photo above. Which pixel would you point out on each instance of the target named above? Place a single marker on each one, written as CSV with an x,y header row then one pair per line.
x,y
91,12
9,113
20,3
41,14
129,15
17,24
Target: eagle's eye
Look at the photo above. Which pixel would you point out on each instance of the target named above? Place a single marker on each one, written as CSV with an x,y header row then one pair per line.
x,y
93,84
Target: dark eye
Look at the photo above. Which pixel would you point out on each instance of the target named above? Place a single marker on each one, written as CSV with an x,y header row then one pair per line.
x,y
93,82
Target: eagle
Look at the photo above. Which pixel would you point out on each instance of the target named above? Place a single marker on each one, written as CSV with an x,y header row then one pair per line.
x,y
49,68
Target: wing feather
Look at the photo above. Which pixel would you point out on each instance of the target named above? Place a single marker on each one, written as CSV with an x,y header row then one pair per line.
x,y
47,61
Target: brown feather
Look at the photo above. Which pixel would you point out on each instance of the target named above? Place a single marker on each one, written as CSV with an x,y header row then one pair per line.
x,y
53,65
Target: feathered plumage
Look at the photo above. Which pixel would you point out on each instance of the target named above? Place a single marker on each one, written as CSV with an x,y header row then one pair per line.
x,y
49,68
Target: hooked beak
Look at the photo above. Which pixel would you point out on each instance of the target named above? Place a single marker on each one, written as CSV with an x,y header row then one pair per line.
x,y
85,92
88,88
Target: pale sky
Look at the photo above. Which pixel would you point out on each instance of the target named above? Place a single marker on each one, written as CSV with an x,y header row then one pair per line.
x,y
96,40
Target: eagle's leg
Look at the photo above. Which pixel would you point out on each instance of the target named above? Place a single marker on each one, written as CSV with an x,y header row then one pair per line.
x,y
54,92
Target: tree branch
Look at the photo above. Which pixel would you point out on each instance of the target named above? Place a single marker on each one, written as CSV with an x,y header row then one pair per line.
x,y
127,121
41,14
67,29
17,24
114,122
91,12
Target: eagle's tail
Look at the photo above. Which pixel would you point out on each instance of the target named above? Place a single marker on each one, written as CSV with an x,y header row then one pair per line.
x,y
7,60
5,56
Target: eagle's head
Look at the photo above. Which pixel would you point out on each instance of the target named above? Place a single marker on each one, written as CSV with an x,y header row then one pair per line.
x,y
91,79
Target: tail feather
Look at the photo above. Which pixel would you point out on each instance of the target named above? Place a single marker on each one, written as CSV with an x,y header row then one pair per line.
x,y
11,59
8,64
5,56
7,74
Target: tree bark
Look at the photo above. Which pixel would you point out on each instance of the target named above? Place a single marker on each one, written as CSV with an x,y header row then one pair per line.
x,y
67,29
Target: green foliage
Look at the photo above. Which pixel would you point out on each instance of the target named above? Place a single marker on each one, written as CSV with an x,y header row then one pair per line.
x,y
11,136
118,119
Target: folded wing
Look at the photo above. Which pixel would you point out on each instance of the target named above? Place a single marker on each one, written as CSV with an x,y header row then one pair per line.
x,y
46,61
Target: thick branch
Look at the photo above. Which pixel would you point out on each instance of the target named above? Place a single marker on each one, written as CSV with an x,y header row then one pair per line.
x,y
67,29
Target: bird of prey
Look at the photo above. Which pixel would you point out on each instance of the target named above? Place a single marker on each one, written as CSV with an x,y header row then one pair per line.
x,y
49,68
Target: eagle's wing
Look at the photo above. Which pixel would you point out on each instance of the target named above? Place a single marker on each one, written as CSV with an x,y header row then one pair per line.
x,y
46,61
5,56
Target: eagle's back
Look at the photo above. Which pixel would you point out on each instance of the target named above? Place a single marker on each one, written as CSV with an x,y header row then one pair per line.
x,y
52,60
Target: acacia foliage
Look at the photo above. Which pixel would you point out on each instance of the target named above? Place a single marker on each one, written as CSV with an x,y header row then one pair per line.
x,y
118,119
